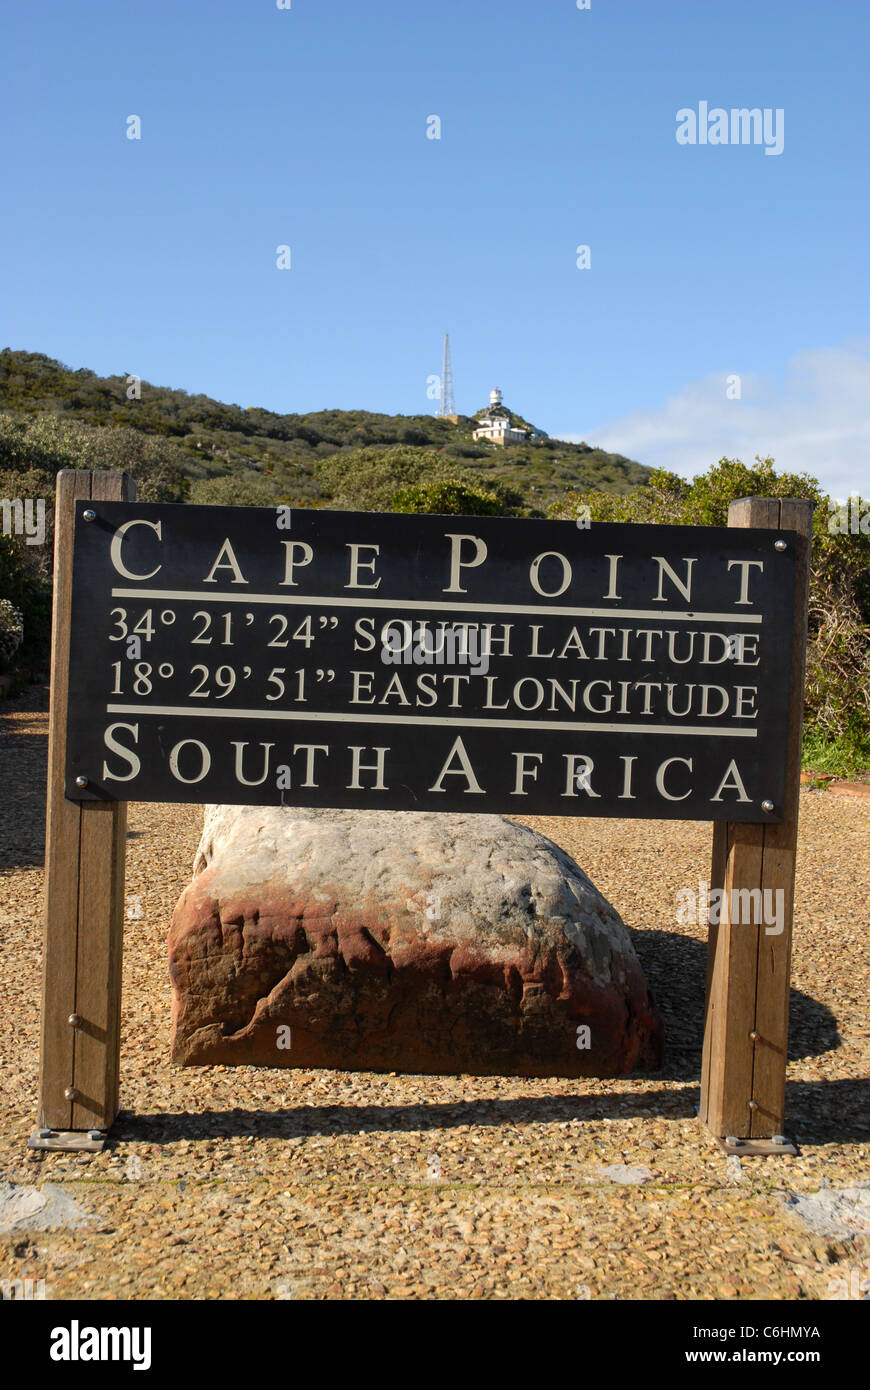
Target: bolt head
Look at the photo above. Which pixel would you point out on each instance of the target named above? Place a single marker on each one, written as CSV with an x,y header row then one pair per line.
x,y
754,1036
780,545
81,781
753,1105
74,1020
95,1134
45,1133
70,1093
767,806
89,514
778,1139
732,1140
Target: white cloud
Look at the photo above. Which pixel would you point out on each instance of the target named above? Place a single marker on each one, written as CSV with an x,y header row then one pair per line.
x,y
816,420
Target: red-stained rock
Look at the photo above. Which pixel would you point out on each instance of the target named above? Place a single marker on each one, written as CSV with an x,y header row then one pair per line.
x,y
401,941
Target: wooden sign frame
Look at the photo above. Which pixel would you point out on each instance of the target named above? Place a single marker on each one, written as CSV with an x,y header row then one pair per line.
x,y
746,1017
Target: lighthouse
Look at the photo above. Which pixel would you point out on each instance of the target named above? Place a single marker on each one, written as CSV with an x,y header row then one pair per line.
x,y
494,425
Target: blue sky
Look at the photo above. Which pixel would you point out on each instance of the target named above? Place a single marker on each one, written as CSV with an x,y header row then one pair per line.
x,y
307,127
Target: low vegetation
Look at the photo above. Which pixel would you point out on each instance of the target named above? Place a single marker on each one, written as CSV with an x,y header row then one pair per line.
x,y
256,452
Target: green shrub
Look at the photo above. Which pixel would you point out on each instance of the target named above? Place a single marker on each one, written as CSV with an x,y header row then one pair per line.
x,y
236,490
842,756
371,479
11,632
25,570
47,443
449,497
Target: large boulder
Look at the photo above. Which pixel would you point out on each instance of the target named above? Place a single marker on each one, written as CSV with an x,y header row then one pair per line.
x,y
401,941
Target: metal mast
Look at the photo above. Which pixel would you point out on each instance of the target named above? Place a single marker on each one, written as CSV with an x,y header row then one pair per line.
x,y
448,407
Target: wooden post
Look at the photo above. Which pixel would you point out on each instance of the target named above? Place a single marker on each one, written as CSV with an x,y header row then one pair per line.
x,y
84,891
748,967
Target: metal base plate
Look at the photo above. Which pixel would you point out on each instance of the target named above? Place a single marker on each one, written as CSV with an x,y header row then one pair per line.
x,y
68,1140
756,1148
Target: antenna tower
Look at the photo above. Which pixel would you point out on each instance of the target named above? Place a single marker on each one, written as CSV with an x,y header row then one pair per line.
x,y
447,407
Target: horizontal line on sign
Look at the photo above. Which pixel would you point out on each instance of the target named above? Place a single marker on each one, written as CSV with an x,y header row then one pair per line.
x,y
305,716
452,606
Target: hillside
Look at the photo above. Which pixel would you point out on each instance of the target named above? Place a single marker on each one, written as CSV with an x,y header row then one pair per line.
x,y
227,451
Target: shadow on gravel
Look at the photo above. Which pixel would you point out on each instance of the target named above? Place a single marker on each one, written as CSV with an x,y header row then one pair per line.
x,y
302,1120
823,1112
828,1112
676,971
22,824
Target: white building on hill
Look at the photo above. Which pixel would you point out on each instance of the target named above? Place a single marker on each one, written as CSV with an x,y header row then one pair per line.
x,y
494,425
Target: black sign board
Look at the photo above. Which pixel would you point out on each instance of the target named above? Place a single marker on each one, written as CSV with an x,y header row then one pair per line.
x,y
437,663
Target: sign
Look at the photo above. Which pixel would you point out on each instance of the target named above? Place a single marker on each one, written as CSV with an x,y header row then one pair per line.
x,y
662,651
435,663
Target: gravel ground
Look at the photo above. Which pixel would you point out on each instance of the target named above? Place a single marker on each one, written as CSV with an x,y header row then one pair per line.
x,y
253,1183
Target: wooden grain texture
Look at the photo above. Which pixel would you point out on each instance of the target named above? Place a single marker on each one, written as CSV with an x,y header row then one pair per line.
x,y
749,962
717,877
780,846
85,849
730,1012
63,821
